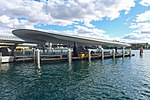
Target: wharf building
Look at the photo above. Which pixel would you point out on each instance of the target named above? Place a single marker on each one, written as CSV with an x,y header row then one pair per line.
x,y
79,46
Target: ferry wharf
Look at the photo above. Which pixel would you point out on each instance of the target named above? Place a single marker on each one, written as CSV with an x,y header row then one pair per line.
x,y
38,57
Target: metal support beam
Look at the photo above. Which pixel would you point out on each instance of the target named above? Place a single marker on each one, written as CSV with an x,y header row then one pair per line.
x,y
75,48
13,47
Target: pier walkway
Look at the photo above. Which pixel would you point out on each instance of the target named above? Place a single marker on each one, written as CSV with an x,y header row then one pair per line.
x,y
60,58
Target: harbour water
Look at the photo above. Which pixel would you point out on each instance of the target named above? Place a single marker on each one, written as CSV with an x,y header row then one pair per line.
x,y
122,78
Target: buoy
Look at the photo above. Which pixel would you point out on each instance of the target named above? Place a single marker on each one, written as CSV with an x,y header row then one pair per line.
x,y
82,56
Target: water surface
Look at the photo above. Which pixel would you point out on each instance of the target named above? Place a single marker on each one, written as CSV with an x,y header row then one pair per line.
x,y
126,79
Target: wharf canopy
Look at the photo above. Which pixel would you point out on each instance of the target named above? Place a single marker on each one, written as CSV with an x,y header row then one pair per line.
x,y
42,37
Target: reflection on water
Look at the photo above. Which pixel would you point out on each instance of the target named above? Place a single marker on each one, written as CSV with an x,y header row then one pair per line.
x,y
5,67
122,78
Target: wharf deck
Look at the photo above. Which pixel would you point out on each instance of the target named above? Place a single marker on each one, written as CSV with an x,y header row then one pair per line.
x,y
58,58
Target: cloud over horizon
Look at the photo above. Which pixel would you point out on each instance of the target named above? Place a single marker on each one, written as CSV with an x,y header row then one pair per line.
x,y
28,14
141,26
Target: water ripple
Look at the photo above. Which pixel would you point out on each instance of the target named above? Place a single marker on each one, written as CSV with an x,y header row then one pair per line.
x,y
119,79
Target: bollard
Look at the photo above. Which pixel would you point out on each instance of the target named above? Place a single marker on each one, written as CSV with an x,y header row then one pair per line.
x,y
113,53
130,53
69,56
123,52
0,59
89,54
102,53
38,58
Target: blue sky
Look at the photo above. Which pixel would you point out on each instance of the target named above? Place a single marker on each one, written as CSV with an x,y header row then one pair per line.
x,y
123,20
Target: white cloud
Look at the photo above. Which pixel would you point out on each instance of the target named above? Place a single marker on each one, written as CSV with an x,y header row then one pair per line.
x,y
77,10
143,17
16,14
90,32
4,19
142,29
141,26
29,9
59,11
137,38
7,22
145,2
142,22
84,31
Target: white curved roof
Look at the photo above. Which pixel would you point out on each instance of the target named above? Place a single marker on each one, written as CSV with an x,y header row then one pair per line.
x,y
42,36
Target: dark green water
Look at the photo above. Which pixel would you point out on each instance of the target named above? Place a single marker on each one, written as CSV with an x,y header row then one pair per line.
x,y
120,79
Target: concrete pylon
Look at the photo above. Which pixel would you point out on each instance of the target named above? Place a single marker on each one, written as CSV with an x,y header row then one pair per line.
x,y
37,53
34,55
69,55
113,53
123,52
0,59
89,54
130,52
23,51
102,53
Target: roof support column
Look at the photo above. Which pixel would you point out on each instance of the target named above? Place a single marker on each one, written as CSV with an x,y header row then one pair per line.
x,y
75,48
12,49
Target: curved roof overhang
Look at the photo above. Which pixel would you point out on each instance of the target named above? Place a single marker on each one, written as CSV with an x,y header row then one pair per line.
x,y
41,36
